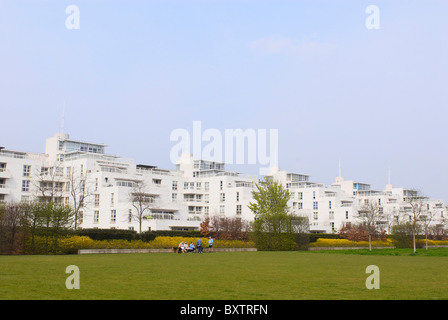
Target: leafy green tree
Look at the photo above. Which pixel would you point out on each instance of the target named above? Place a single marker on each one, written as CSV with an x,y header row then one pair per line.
x,y
55,220
272,228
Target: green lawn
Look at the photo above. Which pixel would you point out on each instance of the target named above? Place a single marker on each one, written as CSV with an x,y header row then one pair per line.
x,y
230,276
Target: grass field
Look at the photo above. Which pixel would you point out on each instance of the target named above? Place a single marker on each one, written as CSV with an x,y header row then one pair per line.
x,y
229,276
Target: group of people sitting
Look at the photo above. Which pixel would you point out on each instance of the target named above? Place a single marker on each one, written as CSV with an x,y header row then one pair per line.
x,y
184,247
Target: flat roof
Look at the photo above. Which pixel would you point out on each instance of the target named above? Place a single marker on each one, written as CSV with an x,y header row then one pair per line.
x,y
83,142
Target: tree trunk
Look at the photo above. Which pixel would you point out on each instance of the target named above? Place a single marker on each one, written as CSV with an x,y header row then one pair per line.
x,y
413,241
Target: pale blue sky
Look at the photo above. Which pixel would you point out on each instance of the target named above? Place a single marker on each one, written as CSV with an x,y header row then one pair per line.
x,y
137,70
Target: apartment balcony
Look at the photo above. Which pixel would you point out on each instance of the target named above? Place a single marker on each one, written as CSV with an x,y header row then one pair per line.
x,y
4,173
194,217
4,189
52,178
244,185
193,200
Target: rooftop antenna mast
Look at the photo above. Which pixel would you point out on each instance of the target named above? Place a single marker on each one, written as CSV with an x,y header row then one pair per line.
x,y
388,176
62,118
340,170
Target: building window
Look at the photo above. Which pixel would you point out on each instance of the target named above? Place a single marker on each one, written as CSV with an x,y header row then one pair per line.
x,y
314,195
25,185
315,215
174,197
113,216
331,215
300,205
222,197
300,195
315,205
96,216
329,204
130,216
238,209
174,185
206,210
97,200
112,200
222,209
346,215
237,197
26,170
220,185
206,186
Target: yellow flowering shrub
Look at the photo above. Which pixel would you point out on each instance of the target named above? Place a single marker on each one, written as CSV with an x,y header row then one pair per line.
x,y
71,244
171,242
347,243
433,242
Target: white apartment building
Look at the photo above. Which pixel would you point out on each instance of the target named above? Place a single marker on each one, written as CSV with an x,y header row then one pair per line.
x,y
76,172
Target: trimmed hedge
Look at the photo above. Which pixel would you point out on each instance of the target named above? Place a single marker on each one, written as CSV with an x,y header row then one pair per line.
x,y
108,234
151,235
314,236
123,234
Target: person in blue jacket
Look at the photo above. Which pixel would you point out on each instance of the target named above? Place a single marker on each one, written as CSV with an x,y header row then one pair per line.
x,y
199,245
210,244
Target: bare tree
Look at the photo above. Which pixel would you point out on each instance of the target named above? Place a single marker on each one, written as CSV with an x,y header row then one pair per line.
x,y
414,209
226,228
370,214
12,227
142,201
48,182
426,220
301,224
80,190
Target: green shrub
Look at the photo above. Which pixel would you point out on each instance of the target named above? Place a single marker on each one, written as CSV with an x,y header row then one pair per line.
x,y
108,234
302,241
151,235
402,236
